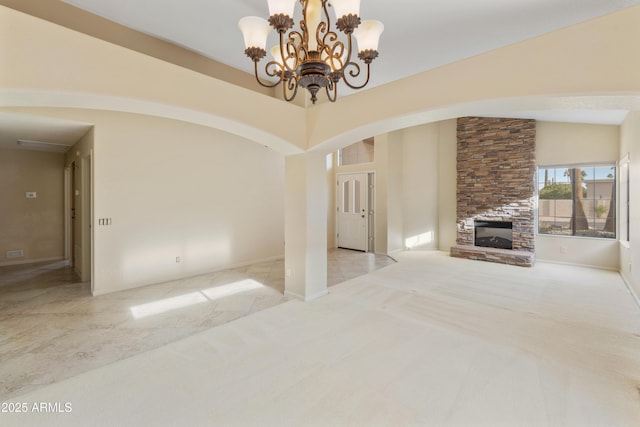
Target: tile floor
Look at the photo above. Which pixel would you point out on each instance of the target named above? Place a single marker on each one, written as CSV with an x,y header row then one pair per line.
x,y
51,328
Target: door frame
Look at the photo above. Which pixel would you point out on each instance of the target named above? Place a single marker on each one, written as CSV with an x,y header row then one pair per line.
x,y
80,173
68,232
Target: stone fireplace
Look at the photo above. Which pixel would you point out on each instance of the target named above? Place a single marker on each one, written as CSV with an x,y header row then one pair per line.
x,y
496,190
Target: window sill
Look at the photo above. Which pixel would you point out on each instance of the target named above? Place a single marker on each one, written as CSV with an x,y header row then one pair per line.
x,y
562,236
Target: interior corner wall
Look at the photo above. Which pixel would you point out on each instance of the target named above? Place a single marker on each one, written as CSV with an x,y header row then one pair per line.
x,y
33,225
630,255
419,172
447,181
567,144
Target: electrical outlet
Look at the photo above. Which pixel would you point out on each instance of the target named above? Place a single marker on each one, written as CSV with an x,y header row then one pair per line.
x,y
177,259
288,272
563,249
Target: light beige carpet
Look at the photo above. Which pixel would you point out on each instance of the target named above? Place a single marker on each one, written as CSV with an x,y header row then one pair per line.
x,y
431,340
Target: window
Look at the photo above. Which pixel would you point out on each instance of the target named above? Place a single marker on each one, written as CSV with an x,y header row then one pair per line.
x,y
577,201
360,152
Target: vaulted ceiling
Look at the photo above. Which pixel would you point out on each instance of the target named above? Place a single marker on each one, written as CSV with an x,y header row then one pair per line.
x,y
418,36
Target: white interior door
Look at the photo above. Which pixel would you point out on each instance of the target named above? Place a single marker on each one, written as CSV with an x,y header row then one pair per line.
x,y
353,217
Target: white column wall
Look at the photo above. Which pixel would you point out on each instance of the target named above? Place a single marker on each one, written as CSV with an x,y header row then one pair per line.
x,y
306,226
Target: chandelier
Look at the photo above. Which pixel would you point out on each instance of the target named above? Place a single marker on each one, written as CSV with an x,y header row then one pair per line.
x,y
314,56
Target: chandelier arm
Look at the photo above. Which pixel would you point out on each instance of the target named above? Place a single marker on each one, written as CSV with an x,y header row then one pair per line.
x,y
274,73
356,74
290,48
323,27
330,38
349,50
332,88
335,56
292,85
303,27
326,12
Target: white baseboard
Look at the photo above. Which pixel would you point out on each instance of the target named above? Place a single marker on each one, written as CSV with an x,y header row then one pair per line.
x,y
30,261
627,282
96,292
573,264
246,263
306,298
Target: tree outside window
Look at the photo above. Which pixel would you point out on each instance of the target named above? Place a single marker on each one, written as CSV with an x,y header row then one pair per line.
x,y
577,201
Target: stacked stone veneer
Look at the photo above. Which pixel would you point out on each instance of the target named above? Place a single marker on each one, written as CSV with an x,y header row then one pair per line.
x,y
496,182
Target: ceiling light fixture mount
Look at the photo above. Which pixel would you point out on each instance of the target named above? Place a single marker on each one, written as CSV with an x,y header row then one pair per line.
x,y
313,57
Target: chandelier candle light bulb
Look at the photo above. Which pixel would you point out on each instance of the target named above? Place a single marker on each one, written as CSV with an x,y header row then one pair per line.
x,y
368,36
312,18
281,7
255,31
314,56
346,7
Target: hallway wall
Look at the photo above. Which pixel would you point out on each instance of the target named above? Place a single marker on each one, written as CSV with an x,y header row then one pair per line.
x,y
173,189
34,226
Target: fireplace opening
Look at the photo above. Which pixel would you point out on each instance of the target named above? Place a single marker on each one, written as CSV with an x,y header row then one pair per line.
x,y
493,234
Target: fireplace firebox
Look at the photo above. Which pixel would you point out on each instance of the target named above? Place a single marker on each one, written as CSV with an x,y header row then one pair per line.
x,y
493,234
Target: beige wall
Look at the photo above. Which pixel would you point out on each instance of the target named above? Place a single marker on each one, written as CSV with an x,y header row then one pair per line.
x,y
35,226
80,20
630,253
174,189
395,193
571,143
447,176
420,187
567,144
179,190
